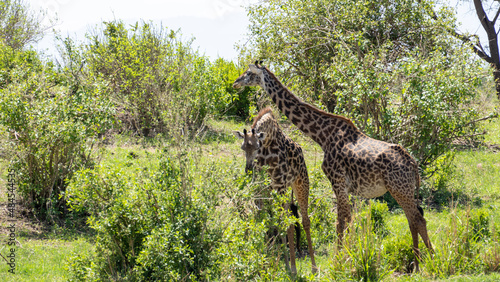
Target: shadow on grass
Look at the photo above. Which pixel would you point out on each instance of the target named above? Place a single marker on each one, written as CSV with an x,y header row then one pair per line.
x,y
437,199
27,226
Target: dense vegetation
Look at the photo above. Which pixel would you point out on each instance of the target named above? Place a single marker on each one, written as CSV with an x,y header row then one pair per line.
x,y
129,135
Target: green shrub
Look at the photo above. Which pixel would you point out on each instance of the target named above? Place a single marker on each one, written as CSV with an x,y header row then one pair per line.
x,y
53,126
159,83
399,252
378,213
238,103
19,24
480,222
322,210
150,224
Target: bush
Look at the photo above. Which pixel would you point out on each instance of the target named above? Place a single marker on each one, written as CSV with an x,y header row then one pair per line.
x,y
19,26
150,224
159,83
378,213
399,250
238,102
52,127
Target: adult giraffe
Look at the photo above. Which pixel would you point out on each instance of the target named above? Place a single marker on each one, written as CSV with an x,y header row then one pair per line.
x,y
353,162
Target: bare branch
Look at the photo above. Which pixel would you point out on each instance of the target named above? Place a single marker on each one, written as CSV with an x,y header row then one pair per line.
x,y
481,14
496,16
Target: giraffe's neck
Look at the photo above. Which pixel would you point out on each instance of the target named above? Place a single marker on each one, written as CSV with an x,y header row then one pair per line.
x,y
269,126
313,122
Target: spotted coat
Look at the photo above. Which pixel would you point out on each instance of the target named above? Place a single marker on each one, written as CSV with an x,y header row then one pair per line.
x,y
267,144
353,162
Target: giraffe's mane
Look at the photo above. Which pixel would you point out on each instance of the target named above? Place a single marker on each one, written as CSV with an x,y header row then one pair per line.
x,y
321,112
262,113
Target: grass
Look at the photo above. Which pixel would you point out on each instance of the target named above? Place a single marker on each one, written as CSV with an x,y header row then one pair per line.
x,y
43,260
477,172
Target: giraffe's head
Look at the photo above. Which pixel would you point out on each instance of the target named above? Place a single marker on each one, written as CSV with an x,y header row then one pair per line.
x,y
252,141
251,77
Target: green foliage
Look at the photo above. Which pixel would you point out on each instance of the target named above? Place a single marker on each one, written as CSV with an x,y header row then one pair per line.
x,y
158,82
378,213
150,225
361,256
322,210
439,191
256,225
52,127
480,222
19,26
399,249
385,64
457,253
18,66
237,103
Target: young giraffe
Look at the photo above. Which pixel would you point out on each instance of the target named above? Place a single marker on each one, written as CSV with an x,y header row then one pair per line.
x,y
353,162
266,144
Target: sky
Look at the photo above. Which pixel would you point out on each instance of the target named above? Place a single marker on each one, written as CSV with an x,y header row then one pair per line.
x,y
216,25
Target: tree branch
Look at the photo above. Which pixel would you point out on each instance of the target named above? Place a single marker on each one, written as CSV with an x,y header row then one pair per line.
x,y
496,17
490,31
481,14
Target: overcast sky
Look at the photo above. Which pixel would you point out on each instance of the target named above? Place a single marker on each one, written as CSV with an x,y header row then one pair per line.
x,y
217,25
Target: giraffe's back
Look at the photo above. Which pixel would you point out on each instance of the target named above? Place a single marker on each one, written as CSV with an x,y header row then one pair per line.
x,y
371,165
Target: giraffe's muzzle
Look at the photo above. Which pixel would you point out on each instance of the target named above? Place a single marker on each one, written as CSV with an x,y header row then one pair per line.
x,y
248,168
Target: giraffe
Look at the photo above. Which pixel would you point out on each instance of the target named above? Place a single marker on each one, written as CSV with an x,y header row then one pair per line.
x,y
266,144
353,162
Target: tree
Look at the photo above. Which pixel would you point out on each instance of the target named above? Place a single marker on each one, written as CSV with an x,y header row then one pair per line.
x,y
488,18
19,26
388,65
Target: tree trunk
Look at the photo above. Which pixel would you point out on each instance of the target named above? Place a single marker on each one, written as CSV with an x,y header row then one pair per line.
x,y
496,76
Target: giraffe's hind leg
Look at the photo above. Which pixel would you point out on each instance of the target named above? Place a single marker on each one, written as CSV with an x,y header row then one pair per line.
x,y
301,189
416,221
422,230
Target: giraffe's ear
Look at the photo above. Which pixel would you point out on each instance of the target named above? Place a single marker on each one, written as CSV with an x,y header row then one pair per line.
x,y
255,69
261,136
239,135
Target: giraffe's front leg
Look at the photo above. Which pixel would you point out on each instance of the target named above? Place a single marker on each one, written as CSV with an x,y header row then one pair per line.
x,y
291,244
301,189
336,174
279,184
343,206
